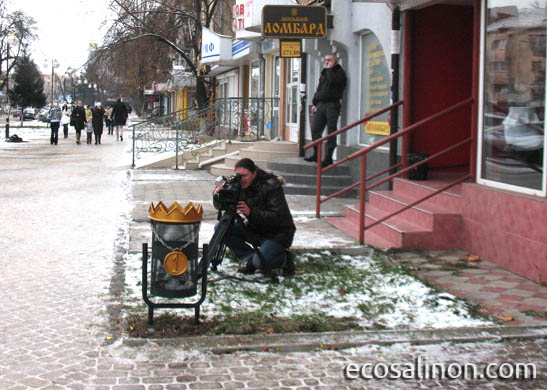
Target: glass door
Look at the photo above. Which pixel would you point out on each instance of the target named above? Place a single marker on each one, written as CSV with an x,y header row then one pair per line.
x,y
293,98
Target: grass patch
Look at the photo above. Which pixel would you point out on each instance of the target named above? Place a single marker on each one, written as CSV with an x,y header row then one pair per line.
x,y
329,292
536,314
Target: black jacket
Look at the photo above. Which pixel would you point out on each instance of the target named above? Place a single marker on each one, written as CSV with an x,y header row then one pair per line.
x,y
119,113
332,83
270,216
78,116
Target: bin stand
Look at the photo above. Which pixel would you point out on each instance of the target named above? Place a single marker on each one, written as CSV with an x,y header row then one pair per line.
x,y
152,305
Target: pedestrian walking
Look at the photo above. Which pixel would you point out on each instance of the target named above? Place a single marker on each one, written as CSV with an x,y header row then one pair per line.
x,y
55,115
109,121
89,125
326,106
77,119
98,122
119,114
65,120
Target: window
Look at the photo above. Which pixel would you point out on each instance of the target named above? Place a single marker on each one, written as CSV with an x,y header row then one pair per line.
x,y
375,89
513,117
293,78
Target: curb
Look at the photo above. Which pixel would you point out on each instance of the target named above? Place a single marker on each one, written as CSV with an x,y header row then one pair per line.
x,y
305,342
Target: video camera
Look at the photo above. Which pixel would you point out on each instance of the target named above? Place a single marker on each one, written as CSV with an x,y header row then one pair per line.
x,y
228,196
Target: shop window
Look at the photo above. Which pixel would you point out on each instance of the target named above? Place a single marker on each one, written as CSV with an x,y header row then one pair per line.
x,y
513,119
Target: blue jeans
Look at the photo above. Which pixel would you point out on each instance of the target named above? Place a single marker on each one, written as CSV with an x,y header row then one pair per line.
x,y
273,252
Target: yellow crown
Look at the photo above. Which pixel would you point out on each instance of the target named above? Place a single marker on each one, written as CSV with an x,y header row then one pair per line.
x,y
175,213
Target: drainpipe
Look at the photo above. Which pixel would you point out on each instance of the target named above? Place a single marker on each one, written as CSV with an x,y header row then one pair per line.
x,y
303,99
395,50
261,93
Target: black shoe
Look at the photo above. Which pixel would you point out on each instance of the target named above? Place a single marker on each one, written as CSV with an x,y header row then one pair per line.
x,y
248,269
121,138
288,267
311,158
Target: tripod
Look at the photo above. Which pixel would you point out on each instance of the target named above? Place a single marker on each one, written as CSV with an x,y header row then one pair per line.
x,y
217,244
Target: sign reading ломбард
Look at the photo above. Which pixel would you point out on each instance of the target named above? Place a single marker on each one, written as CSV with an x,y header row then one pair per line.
x,y
293,21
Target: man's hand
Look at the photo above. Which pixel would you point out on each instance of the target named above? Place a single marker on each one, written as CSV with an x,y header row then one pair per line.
x,y
313,109
242,208
218,188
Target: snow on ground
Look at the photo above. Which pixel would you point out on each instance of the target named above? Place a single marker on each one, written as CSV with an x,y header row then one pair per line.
x,y
394,300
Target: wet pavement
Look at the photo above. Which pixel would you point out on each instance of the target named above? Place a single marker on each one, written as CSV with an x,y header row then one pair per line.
x,y
70,213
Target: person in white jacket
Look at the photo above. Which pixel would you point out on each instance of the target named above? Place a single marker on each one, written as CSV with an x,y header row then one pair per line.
x,y
65,120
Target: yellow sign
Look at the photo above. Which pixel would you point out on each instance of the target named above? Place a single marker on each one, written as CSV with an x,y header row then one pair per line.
x,y
290,49
381,128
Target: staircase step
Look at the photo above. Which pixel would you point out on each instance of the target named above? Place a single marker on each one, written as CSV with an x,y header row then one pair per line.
x,y
422,214
451,199
403,233
302,189
311,180
299,166
352,229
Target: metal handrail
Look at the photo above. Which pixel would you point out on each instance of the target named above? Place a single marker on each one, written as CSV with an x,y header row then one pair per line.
x,y
363,154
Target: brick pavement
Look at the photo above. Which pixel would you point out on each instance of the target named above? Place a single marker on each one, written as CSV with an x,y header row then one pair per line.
x,y
510,297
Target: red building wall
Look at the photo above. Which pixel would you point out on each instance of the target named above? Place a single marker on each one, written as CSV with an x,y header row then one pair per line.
x,y
507,229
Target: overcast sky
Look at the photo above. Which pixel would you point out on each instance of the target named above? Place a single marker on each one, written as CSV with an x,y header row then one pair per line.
x,y
65,28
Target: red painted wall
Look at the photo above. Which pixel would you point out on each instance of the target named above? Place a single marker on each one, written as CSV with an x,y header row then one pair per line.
x,y
507,229
442,76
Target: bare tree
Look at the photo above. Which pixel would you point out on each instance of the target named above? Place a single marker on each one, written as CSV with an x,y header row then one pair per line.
x,y
16,30
173,24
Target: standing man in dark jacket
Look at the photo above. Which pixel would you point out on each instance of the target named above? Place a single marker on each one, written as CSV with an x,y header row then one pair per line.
x,y
326,105
269,224
119,115
77,119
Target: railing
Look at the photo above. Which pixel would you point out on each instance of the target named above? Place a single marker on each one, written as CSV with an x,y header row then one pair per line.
x,y
186,131
403,164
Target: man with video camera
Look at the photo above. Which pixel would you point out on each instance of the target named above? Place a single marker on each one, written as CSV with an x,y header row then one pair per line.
x,y
268,220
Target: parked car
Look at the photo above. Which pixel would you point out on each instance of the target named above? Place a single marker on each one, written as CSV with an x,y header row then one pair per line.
x,y
43,115
29,113
16,112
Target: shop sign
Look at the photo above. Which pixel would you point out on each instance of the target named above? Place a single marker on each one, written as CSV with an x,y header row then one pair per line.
x,y
381,128
151,98
292,21
290,48
241,11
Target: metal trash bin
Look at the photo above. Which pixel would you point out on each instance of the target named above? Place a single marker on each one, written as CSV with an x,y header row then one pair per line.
x,y
175,241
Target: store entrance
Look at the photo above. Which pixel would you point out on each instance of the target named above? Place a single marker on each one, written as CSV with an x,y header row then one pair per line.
x,y
442,71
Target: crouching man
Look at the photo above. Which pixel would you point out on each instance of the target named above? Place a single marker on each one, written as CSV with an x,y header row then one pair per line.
x,y
268,221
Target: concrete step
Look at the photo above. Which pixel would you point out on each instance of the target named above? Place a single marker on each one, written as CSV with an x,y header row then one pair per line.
x,y
299,166
302,189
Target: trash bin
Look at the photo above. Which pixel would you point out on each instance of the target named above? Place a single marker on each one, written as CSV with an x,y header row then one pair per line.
x,y
175,240
420,172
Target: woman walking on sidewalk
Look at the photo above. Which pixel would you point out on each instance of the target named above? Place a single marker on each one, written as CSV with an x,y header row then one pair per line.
x,y
55,115
98,121
77,119
119,114
65,120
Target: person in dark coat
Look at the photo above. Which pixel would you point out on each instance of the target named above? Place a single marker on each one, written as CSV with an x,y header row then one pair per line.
x,y
269,223
119,115
98,122
326,106
77,119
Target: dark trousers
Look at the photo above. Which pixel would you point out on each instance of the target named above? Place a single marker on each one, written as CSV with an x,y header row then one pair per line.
x,y
65,130
327,114
54,133
273,252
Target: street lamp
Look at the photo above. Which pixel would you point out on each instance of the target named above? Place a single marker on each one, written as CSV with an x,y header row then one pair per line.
x,y
11,38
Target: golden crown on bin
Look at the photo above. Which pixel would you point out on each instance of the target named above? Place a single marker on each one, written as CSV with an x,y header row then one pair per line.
x,y
175,213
